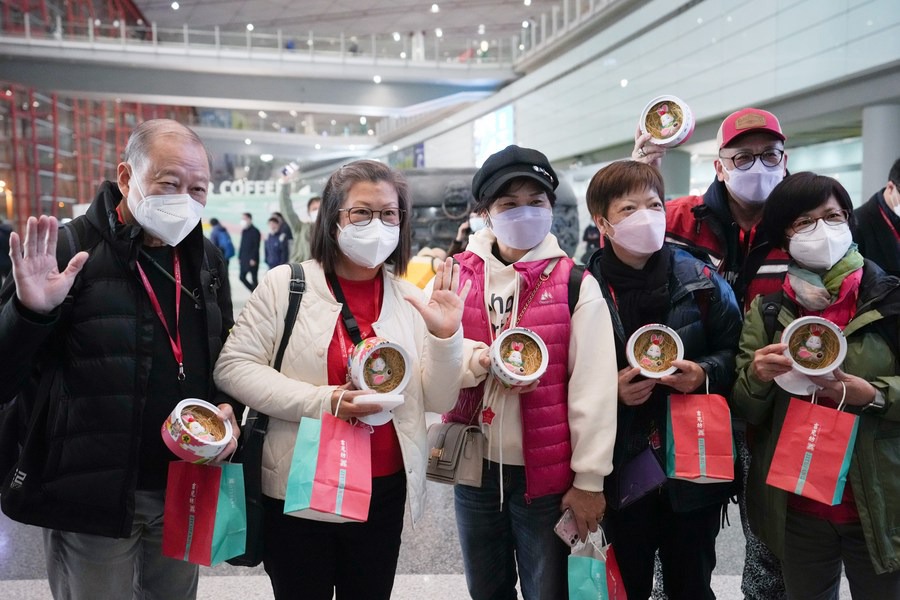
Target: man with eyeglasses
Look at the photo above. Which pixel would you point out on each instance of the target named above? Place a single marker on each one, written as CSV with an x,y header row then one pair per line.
x,y
721,227
878,224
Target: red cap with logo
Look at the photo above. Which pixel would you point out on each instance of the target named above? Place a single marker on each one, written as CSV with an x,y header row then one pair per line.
x,y
745,121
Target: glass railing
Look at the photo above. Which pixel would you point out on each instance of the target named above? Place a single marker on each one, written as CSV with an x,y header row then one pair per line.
x,y
411,49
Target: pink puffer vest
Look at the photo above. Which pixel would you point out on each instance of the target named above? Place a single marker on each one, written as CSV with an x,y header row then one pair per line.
x,y
545,419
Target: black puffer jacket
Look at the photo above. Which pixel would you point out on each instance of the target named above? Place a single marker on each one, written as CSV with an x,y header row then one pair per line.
x,y
710,329
93,357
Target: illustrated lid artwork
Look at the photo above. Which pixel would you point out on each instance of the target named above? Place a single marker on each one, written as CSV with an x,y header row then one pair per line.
x,y
653,348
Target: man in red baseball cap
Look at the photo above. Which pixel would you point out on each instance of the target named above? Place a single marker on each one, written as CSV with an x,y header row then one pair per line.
x,y
721,227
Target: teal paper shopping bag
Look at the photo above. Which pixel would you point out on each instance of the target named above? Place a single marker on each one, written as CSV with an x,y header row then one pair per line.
x,y
205,516
331,471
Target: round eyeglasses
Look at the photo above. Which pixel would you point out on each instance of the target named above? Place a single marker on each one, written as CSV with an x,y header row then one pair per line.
x,y
807,224
361,216
745,160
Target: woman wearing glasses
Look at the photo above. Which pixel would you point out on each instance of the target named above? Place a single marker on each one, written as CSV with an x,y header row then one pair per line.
x,y
809,216
360,247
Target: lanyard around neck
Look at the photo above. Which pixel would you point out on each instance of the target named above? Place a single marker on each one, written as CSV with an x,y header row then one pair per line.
x,y
175,342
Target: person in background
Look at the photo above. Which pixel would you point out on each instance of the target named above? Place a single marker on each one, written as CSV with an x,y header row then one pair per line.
x,y
472,225
722,228
591,239
101,334
221,239
5,261
549,445
248,253
277,249
878,225
809,216
363,229
424,265
301,229
285,231
646,281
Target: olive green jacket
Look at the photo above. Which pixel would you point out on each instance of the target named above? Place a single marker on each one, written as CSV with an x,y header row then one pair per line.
x,y
875,463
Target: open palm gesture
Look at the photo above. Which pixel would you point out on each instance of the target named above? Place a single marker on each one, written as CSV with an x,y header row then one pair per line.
x,y
40,286
443,311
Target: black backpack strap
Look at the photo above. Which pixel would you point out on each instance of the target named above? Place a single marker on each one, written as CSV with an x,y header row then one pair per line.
x,y
258,422
769,307
575,277
298,287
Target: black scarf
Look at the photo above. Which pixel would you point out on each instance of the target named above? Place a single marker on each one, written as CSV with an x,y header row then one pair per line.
x,y
642,296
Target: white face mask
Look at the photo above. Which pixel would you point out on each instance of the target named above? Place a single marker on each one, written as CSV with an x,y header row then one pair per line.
x,y
641,233
168,217
245,223
369,245
754,185
821,248
476,223
523,227
312,215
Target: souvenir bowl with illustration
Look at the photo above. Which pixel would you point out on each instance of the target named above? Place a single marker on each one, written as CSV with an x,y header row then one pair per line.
x,y
194,433
815,345
518,357
387,402
652,349
379,365
669,120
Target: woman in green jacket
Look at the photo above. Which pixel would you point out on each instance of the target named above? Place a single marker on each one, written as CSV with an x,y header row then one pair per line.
x,y
809,216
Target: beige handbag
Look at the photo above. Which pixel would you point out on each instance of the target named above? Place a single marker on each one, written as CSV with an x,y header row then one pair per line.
x,y
455,454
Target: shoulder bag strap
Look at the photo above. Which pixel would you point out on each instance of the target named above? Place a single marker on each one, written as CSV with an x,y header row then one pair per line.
x,y
258,422
349,320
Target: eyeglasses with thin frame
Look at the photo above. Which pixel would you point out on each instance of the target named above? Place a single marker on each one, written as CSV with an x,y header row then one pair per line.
x,y
744,160
807,224
361,216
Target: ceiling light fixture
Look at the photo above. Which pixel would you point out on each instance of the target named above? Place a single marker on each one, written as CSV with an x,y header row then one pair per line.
x,y
435,8
439,32
396,36
248,141
262,114
377,79
175,6
484,45
525,24
362,120
318,146
249,26
396,147
527,2
371,132
266,157
403,55
293,113
481,29
624,83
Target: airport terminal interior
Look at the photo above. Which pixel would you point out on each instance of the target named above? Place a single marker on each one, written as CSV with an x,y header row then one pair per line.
x,y
432,89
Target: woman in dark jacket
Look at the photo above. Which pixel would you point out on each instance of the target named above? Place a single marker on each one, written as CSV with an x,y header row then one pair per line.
x,y
646,282
809,216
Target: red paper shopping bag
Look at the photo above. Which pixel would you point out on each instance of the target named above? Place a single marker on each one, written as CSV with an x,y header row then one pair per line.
x,y
699,443
331,471
812,455
205,517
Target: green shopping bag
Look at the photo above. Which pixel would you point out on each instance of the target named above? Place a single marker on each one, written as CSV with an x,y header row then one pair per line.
x,y
593,571
205,517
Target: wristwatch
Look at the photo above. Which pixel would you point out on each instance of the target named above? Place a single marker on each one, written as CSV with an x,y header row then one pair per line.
x,y
877,403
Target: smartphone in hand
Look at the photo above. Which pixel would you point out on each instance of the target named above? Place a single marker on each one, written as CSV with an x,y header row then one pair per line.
x,y
566,528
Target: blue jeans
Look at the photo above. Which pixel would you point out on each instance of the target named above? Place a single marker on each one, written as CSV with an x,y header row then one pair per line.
x,y
87,567
494,538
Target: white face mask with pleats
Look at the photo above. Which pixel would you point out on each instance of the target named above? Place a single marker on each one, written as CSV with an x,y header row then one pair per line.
x,y
168,217
821,248
368,245
642,232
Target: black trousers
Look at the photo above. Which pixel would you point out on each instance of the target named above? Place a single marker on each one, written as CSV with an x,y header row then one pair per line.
x,y
311,560
251,282
686,543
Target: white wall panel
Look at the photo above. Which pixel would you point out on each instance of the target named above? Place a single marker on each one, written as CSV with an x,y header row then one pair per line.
x,y
719,56
451,149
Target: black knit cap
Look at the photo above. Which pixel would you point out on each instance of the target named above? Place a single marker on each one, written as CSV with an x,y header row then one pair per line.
x,y
509,163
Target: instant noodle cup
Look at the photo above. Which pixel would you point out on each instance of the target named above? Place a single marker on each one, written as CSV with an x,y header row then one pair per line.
x,y
194,433
815,345
518,357
669,120
653,348
379,365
